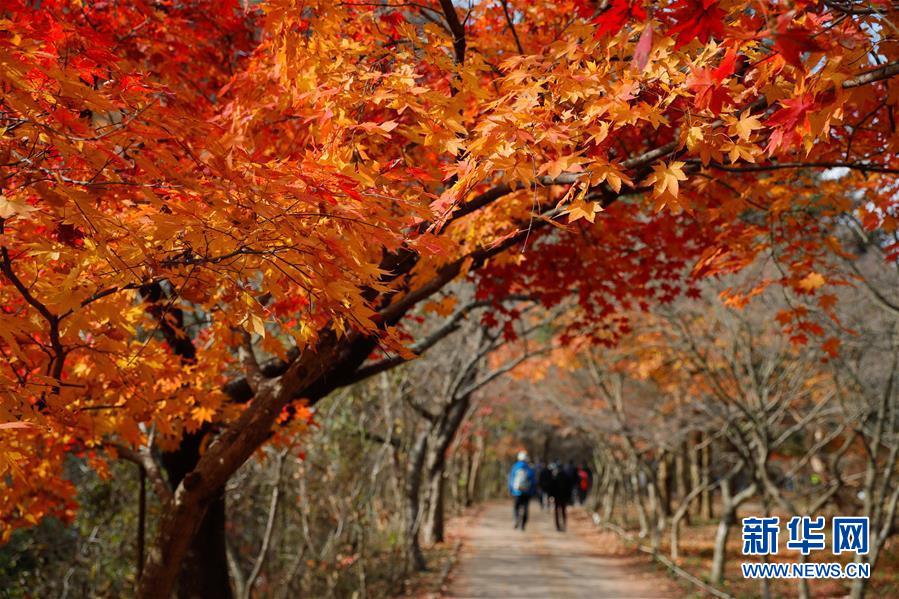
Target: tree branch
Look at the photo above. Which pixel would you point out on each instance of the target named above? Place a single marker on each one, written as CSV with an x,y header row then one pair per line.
x,y
251,368
269,526
149,465
457,29
751,168
879,74
505,4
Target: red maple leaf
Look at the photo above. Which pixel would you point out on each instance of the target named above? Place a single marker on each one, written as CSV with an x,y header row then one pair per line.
x,y
791,41
692,19
619,12
584,8
787,121
706,83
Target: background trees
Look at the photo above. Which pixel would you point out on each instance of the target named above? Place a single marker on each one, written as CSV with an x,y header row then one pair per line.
x,y
783,431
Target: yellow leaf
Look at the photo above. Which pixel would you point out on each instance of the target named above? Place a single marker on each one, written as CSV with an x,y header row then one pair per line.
x,y
10,208
694,136
257,325
746,125
202,414
665,178
443,307
812,281
581,208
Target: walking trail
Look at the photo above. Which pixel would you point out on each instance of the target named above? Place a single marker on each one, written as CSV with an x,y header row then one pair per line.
x,y
500,562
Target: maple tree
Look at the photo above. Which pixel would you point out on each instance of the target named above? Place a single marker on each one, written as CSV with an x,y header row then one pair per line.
x,y
214,214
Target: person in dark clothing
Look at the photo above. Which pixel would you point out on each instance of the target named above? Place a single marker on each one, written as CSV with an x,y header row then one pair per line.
x,y
584,483
571,474
543,478
522,485
560,489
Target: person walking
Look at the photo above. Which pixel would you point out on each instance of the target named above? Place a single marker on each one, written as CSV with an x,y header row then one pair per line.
x,y
543,482
571,474
584,482
522,485
559,490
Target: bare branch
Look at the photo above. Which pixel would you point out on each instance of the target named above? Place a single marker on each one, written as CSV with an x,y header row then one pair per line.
x,y
144,458
249,362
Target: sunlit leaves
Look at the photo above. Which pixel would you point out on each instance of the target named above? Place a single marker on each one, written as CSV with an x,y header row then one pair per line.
x,y
665,179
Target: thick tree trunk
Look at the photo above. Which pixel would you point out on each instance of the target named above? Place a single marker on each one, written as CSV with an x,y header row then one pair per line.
x,y
204,569
183,515
657,513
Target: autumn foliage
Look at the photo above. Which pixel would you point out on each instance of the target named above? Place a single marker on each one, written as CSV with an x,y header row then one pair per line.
x,y
187,186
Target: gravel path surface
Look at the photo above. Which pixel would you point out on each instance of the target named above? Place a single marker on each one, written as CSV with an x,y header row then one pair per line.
x,y
498,561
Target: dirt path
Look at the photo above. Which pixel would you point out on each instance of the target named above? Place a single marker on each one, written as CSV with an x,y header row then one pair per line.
x,y
500,562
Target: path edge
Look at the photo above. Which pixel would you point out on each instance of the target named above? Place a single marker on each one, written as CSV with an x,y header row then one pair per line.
x,y
658,557
475,512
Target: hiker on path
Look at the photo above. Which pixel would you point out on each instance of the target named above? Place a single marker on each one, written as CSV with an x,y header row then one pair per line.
x,y
543,478
561,486
571,473
584,482
522,485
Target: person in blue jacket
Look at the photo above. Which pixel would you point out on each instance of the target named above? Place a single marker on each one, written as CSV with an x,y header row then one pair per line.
x,y
522,486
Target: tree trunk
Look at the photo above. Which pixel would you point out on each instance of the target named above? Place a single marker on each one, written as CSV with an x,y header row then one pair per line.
x,y
454,490
608,500
663,483
435,528
695,475
705,470
680,514
204,568
183,515
413,503
681,475
443,431
728,517
729,505
657,511
465,482
641,510
471,492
